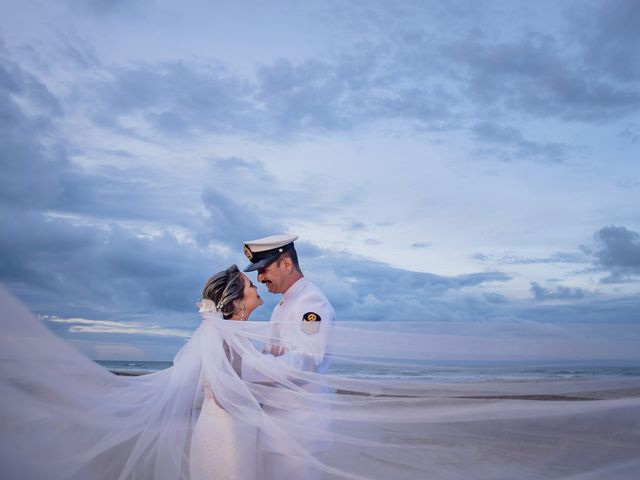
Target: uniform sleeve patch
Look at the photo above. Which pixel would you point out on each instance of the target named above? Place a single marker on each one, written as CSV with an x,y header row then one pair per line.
x,y
311,317
311,323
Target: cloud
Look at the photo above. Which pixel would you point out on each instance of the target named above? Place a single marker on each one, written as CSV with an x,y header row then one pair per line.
x,y
38,175
231,221
532,77
541,293
631,133
185,98
245,200
83,325
14,80
283,99
378,277
173,98
495,298
608,32
516,147
31,168
88,270
617,251
37,171
236,206
356,226
102,8
368,290
309,96
364,83
628,184
58,250
409,70
463,55
557,257
109,193
76,52
616,311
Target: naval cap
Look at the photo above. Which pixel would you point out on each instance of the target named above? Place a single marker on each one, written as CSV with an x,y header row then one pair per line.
x,y
263,251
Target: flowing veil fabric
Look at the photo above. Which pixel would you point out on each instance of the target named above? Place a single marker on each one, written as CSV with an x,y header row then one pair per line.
x,y
63,416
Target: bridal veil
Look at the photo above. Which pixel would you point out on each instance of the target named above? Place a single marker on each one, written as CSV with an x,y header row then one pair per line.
x,y
64,417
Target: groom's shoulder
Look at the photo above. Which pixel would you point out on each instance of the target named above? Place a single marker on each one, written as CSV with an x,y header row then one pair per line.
x,y
313,294
311,288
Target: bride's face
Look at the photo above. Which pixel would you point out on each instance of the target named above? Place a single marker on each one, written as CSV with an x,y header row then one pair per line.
x,y
250,297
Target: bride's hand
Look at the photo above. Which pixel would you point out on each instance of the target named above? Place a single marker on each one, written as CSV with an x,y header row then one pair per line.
x,y
277,350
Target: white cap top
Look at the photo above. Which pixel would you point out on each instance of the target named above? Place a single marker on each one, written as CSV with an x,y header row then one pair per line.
x,y
269,243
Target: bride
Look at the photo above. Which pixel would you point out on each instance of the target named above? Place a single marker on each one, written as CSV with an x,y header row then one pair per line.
x,y
223,447
64,416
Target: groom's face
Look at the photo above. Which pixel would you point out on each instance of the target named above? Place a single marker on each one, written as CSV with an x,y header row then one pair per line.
x,y
273,276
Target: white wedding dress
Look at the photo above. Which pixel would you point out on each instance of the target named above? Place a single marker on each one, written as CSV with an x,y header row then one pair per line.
x,y
65,417
222,448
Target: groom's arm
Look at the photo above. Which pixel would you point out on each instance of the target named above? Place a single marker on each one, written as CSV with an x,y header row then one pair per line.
x,y
303,344
308,329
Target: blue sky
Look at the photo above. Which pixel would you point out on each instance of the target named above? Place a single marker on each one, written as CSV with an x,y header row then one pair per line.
x,y
449,162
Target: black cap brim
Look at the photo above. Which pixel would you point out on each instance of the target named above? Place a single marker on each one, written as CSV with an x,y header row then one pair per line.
x,y
264,263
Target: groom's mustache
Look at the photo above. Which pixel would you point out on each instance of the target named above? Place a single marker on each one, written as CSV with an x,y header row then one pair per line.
x,y
266,283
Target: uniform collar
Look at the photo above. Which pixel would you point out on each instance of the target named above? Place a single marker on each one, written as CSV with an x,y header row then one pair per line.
x,y
295,288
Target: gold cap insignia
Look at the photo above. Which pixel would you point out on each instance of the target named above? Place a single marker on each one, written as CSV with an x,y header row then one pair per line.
x,y
248,253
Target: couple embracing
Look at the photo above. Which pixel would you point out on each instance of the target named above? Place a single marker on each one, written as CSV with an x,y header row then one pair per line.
x,y
297,340
242,401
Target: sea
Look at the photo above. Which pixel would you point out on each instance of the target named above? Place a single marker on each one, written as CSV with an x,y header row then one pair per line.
x,y
452,374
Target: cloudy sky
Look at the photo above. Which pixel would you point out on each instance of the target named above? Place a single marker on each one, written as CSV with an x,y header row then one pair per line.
x,y
450,162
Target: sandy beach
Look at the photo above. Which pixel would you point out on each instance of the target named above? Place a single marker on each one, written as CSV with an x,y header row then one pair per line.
x,y
588,430
592,434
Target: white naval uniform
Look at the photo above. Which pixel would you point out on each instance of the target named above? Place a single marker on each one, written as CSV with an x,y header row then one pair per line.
x,y
306,344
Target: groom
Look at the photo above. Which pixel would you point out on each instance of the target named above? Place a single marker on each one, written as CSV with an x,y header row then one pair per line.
x,y
301,324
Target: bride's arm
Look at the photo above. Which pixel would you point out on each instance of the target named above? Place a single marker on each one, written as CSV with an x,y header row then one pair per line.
x,y
234,358
208,393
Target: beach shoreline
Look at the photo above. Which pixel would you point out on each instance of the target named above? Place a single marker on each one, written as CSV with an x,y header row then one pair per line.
x,y
610,389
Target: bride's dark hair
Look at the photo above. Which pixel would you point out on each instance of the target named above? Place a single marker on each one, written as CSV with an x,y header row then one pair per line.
x,y
223,288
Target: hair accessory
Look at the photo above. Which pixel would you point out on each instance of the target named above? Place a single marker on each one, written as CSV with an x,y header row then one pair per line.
x,y
205,305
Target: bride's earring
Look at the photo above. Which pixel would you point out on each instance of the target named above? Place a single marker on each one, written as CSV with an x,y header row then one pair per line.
x,y
242,313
